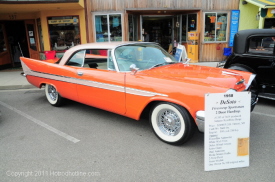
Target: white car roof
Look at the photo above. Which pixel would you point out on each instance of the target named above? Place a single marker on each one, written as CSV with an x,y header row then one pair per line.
x,y
97,45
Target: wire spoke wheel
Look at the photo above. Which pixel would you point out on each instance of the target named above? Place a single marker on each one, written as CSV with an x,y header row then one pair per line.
x,y
171,123
52,95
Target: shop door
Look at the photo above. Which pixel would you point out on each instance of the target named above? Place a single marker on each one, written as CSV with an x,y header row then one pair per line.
x,y
133,27
32,40
159,28
4,47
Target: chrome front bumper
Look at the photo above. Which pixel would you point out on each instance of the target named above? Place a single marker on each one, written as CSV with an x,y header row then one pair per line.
x,y
200,120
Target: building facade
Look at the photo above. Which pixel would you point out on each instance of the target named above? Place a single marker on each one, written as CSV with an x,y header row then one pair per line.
x,y
201,25
257,14
30,28
33,27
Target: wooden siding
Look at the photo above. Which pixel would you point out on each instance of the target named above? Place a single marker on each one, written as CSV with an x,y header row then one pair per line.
x,y
121,5
207,51
211,52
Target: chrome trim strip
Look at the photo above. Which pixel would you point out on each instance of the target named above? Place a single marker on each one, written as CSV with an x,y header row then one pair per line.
x,y
143,92
229,73
94,84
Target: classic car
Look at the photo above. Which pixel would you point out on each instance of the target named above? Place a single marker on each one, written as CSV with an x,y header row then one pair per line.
x,y
134,79
253,51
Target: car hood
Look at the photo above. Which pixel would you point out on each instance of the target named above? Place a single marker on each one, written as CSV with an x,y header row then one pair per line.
x,y
202,75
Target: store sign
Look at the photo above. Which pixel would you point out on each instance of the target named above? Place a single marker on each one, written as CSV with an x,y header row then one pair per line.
x,y
226,133
63,21
234,25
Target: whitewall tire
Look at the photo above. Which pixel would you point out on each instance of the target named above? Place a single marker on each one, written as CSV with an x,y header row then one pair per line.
x,y
52,95
171,123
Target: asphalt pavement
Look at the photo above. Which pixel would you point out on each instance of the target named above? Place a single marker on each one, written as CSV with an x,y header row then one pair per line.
x,y
11,79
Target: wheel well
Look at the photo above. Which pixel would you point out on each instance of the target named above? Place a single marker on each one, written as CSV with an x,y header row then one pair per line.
x,y
146,111
42,85
241,67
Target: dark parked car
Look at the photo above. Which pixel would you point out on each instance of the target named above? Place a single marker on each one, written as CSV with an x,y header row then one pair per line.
x,y
253,51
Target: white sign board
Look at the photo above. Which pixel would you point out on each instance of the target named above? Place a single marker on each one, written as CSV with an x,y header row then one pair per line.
x,y
226,132
178,53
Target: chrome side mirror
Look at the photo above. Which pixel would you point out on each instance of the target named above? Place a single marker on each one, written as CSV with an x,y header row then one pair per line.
x,y
133,69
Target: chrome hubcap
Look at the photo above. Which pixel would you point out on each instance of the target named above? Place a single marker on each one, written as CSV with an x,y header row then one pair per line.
x,y
52,92
169,122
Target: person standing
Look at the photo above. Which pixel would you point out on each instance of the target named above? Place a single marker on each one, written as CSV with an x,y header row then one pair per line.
x,y
146,37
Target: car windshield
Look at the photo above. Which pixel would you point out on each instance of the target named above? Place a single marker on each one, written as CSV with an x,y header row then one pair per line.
x,y
142,56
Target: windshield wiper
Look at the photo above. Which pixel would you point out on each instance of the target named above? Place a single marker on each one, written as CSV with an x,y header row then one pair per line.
x,y
161,64
157,65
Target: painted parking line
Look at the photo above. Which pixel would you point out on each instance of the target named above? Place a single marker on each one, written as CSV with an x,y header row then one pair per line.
x,y
259,113
48,127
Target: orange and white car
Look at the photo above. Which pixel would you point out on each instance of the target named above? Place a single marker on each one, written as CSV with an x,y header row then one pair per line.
x,y
133,78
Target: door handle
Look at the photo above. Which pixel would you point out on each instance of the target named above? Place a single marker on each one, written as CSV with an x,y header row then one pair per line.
x,y
79,73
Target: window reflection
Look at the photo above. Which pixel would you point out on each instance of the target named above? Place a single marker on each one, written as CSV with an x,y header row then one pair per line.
x,y
108,28
215,27
64,32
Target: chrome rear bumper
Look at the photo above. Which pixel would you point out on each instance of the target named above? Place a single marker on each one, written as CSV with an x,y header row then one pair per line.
x,y
23,74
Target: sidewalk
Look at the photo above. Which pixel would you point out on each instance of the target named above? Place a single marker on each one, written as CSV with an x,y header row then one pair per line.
x,y
12,80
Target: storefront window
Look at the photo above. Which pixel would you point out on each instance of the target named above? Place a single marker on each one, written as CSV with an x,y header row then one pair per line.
x,y
64,32
108,28
2,40
215,27
269,23
189,24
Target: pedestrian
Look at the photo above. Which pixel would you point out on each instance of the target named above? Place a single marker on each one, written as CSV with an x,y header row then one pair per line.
x,y
146,37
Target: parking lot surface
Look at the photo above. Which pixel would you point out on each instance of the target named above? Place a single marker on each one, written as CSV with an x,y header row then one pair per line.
x,y
76,142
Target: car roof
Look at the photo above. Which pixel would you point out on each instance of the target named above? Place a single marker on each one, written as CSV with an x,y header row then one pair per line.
x,y
106,45
240,38
98,45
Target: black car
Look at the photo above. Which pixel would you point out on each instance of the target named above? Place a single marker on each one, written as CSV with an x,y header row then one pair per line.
x,y
253,51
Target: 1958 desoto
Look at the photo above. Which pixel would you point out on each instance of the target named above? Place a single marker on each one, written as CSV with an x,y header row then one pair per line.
x,y
132,78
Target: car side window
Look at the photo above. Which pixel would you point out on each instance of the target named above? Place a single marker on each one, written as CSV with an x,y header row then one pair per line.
x,y
90,58
96,59
77,59
261,45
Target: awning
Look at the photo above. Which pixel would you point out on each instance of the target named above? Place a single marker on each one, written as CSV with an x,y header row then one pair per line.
x,y
263,3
